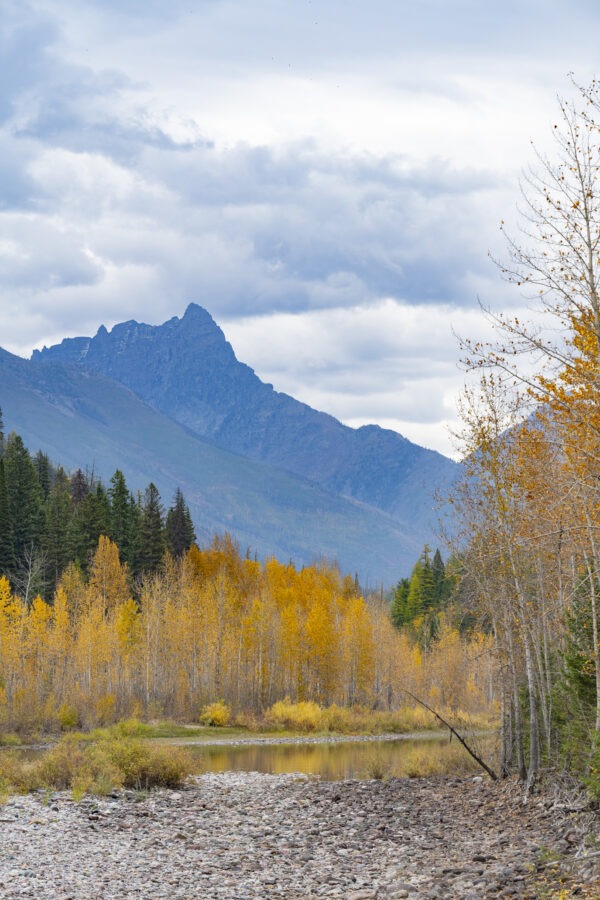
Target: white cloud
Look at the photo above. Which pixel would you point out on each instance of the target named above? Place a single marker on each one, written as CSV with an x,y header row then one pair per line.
x,y
391,362
288,166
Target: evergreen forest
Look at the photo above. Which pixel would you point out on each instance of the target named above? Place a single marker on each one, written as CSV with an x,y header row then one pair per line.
x,y
49,519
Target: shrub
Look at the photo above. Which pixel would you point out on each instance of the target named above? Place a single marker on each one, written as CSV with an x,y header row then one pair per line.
x,y
341,719
378,765
61,764
216,714
106,706
68,717
17,775
131,728
97,767
303,716
141,765
247,720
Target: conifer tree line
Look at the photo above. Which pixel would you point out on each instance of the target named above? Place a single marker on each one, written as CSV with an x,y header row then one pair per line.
x,y
49,519
419,601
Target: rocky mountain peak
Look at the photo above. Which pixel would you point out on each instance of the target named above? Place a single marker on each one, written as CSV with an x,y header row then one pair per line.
x,y
186,369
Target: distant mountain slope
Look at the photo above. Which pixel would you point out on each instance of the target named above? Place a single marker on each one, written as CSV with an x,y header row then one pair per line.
x,y
187,369
82,418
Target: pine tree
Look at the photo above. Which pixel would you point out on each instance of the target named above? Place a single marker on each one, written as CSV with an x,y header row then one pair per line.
x,y
152,539
44,472
179,527
135,517
417,600
91,518
439,580
7,548
55,543
24,496
400,613
80,487
421,591
123,518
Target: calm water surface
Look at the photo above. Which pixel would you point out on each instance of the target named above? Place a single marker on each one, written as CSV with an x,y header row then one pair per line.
x,y
340,760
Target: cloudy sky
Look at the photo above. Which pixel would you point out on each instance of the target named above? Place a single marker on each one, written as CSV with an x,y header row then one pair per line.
x,y
326,177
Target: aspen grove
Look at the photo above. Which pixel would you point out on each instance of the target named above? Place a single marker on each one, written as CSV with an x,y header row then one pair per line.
x,y
215,626
529,505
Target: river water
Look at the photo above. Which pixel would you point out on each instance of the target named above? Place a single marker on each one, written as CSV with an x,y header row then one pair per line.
x,y
338,760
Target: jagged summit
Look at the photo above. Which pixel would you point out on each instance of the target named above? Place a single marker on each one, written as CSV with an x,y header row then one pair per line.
x,y
186,369
283,478
76,348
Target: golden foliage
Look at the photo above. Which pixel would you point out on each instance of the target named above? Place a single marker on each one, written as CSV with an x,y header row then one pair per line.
x,y
217,633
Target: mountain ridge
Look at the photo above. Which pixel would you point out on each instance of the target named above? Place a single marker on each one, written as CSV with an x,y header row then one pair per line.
x,y
81,418
172,404
188,370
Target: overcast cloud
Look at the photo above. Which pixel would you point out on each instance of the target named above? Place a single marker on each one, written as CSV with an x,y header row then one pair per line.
x,y
326,177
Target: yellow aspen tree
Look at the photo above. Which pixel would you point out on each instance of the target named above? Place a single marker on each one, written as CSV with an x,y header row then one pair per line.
x,y
108,576
358,652
74,586
13,615
323,645
391,655
559,266
37,640
152,630
92,656
126,625
61,643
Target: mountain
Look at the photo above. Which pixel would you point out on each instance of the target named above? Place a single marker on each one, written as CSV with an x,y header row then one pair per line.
x,y
80,417
172,404
187,370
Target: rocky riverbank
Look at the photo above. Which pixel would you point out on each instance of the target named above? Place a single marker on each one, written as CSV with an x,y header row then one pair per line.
x,y
280,740
244,836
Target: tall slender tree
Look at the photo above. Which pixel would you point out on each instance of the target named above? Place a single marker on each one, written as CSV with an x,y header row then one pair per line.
x,y
91,518
152,537
55,538
179,527
44,471
123,519
7,546
24,495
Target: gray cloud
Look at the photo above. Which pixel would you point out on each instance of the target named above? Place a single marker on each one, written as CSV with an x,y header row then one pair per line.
x,y
269,160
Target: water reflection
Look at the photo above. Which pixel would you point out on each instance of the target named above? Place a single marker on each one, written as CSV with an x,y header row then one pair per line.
x,y
336,761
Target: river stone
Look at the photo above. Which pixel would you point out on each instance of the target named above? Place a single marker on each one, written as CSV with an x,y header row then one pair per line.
x,y
246,836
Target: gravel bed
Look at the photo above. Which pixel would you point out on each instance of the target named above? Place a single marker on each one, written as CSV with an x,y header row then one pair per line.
x,y
308,739
244,836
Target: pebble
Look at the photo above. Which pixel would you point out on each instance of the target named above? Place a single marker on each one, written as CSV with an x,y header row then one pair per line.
x,y
250,836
